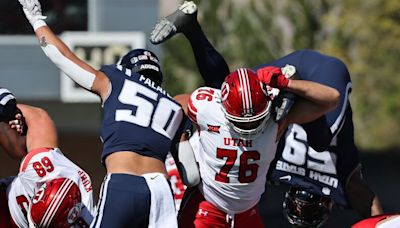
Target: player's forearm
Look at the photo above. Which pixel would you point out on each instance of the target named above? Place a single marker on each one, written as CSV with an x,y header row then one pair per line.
x,y
65,59
325,97
376,207
41,128
55,49
45,34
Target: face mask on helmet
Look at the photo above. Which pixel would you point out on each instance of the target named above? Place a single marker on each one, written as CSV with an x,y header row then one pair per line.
x,y
305,209
144,62
245,102
57,203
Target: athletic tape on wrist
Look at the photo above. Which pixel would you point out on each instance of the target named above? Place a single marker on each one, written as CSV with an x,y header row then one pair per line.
x,y
38,24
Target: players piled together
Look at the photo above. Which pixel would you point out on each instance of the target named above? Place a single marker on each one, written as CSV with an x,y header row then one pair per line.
x,y
286,121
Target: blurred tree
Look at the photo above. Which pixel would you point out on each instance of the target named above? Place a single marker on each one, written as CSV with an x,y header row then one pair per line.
x,y
363,33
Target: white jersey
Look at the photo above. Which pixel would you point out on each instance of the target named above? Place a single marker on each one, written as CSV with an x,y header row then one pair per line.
x,y
233,169
390,222
38,167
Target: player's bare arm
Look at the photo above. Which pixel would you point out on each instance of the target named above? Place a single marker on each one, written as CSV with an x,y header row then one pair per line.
x,y
78,70
41,129
361,197
317,100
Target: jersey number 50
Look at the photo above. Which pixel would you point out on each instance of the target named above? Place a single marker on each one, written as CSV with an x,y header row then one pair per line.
x,y
167,114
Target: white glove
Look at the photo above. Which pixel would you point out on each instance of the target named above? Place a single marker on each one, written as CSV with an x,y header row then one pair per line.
x,y
288,70
33,12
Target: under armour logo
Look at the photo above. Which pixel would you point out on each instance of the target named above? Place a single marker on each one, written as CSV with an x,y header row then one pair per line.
x,y
202,212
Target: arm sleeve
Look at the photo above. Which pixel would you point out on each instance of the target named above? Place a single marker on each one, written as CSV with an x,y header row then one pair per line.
x,y
187,164
81,76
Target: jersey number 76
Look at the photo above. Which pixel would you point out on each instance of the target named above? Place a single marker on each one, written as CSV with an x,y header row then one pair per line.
x,y
247,172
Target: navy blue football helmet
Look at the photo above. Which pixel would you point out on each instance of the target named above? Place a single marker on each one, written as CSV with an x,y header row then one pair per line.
x,y
8,105
144,62
304,209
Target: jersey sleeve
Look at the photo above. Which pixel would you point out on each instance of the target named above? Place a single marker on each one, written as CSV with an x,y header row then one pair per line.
x,y
198,103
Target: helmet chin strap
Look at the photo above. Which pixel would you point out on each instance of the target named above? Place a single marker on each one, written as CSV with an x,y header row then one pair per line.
x,y
29,218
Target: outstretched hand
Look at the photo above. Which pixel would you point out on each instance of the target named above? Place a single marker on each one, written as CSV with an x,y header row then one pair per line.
x,y
273,77
32,10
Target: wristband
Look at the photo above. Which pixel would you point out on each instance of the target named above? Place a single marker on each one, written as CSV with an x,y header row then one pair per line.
x,y
38,24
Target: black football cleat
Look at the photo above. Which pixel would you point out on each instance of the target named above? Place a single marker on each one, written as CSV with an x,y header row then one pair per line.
x,y
179,21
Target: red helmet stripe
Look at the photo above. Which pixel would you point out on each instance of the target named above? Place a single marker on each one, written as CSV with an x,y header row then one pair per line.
x,y
49,214
248,91
245,87
56,203
242,89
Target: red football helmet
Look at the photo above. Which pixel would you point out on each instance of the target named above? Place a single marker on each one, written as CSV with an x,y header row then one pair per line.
x,y
57,203
245,102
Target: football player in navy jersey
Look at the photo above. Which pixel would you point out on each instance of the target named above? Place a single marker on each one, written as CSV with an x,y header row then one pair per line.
x,y
332,173
141,122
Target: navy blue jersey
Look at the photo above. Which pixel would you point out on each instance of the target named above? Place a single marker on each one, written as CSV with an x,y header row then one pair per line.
x,y
139,116
297,163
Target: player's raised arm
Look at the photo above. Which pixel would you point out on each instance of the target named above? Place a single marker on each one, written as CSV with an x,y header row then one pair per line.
x,y
78,70
317,99
41,128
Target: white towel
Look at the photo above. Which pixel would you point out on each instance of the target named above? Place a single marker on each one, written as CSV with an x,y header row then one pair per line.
x,y
162,208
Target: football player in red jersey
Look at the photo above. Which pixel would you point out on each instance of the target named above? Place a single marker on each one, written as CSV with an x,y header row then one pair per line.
x,y
41,162
237,142
319,160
